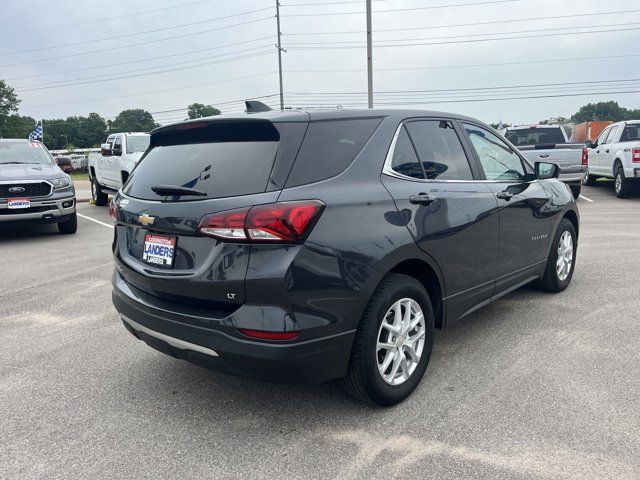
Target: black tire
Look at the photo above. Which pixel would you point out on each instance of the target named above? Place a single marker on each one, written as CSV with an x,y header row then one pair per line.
x,y
551,281
575,190
70,226
363,379
97,195
622,186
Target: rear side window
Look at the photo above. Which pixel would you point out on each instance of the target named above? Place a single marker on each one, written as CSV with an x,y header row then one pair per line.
x,y
236,160
631,133
328,149
612,135
535,136
405,161
439,150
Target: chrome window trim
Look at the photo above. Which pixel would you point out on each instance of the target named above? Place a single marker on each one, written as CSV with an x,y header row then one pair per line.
x,y
390,172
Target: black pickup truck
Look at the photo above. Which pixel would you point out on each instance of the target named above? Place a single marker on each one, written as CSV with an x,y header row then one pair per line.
x,y
33,188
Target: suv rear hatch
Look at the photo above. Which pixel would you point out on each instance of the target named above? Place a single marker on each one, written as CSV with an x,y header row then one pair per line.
x,y
191,171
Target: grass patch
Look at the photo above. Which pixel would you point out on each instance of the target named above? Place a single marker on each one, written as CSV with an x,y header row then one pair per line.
x,y
79,176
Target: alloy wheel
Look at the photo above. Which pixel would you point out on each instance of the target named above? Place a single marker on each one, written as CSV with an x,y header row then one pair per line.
x,y
618,185
565,256
401,341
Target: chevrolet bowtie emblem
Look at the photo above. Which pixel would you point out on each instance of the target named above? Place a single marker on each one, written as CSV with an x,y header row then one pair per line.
x,y
146,219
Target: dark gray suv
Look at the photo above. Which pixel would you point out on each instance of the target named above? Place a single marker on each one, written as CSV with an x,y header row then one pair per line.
x,y
33,189
309,246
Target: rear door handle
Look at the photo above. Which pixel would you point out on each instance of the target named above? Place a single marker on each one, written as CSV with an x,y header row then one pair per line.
x,y
422,199
504,195
606,151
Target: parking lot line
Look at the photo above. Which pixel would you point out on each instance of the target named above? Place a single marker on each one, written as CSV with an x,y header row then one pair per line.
x,y
96,221
587,199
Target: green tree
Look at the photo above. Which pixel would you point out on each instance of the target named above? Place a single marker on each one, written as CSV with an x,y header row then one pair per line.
x,y
133,120
9,101
198,110
600,111
16,126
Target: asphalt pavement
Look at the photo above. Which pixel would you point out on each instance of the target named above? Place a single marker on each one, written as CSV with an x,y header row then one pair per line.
x,y
533,386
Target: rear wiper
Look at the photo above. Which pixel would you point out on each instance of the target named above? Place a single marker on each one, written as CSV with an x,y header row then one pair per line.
x,y
176,190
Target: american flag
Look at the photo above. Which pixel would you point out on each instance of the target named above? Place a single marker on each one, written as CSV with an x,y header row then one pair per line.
x,y
36,134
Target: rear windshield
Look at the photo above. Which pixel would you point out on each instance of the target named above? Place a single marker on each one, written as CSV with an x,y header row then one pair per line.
x,y
138,143
631,133
535,136
237,160
24,152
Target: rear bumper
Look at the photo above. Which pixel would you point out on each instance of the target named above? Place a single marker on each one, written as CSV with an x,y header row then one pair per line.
x,y
45,210
573,174
216,343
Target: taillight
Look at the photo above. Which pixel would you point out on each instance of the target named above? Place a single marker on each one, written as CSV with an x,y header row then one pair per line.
x,y
113,210
585,156
635,155
287,222
264,335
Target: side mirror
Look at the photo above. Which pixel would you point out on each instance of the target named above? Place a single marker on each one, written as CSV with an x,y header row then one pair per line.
x,y
546,170
589,144
105,150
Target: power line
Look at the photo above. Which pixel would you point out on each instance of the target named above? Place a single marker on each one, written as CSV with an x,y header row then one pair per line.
x,y
438,67
586,82
118,17
493,22
469,100
401,9
132,45
150,92
323,4
142,60
347,47
84,42
470,35
129,75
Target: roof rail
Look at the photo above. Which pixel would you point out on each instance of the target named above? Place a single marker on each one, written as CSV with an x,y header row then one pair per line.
x,y
254,106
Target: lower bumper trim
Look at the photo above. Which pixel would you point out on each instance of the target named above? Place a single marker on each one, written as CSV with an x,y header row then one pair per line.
x,y
174,342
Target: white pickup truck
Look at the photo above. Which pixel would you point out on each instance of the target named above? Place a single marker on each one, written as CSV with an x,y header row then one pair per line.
x,y
616,154
118,157
549,143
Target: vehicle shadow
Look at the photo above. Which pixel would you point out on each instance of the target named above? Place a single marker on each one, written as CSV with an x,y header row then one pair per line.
x,y
27,232
211,396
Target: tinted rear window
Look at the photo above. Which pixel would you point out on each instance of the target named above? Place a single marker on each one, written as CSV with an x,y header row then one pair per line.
x,y
535,136
631,133
328,149
222,161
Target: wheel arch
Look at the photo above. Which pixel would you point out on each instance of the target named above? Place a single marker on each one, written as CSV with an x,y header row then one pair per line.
x,y
572,216
427,276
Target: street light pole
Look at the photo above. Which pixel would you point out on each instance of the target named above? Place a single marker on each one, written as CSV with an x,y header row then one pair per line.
x,y
369,56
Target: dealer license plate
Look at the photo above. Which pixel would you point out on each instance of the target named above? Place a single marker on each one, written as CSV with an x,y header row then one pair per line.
x,y
18,203
159,249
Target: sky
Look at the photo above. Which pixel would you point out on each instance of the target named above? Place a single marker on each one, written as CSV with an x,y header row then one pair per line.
x,y
67,58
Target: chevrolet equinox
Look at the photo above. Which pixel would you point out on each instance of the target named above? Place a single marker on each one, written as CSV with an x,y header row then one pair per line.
x,y
308,246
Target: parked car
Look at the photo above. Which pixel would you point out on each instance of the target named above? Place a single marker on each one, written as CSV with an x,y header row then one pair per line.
x,y
64,163
616,154
33,188
309,246
109,171
549,143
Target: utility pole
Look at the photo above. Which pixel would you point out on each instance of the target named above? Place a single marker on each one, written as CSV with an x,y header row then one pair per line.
x,y
279,47
369,56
